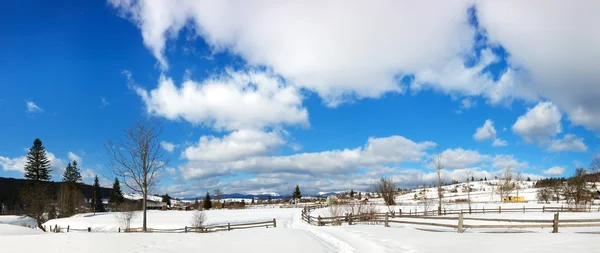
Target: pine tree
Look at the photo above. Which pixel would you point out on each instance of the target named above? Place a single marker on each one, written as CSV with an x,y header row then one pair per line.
x,y
359,195
38,165
116,196
528,179
472,179
207,203
69,196
297,194
485,179
269,199
72,173
351,193
97,204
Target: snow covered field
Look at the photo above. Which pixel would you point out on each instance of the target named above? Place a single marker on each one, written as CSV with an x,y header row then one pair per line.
x,y
291,235
294,235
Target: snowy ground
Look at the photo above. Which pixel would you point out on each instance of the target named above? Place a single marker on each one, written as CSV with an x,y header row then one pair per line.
x,y
294,235
291,235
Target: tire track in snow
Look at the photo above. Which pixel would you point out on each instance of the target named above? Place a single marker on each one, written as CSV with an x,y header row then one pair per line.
x,y
331,243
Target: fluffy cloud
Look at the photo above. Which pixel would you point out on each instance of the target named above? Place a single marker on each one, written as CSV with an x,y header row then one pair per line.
x,y
235,146
377,151
233,101
502,162
460,158
169,147
74,157
488,132
539,123
13,164
32,107
308,52
362,49
103,102
569,142
556,170
562,67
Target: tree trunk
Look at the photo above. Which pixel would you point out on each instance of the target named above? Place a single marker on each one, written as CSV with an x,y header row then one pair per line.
x,y
144,206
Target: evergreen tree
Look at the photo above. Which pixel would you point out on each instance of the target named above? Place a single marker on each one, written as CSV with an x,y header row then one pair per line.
x,y
38,165
269,199
472,179
97,199
297,194
166,199
207,203
69,196
72,173
351,193
359,195
485,179
528,179
116,196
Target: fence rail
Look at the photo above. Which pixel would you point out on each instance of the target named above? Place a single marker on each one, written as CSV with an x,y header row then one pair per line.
x,y
204,229
387,218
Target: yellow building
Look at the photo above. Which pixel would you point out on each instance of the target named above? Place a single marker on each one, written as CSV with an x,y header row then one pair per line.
x,y
513,199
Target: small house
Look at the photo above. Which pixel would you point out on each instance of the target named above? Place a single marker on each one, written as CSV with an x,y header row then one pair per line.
x,y
513,199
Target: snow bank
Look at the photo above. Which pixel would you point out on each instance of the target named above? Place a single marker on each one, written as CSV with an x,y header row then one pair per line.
x,y
6,230
17,220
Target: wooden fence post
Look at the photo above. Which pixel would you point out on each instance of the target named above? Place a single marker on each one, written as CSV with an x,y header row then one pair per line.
x,y
68,227
555,223
444,211
119,230
228,226
274,223
185,229
460,223
409,211
55,228
319,220
89,229
484,209
523,209
400,212
543,209
386,220
309,219
350,219
499,209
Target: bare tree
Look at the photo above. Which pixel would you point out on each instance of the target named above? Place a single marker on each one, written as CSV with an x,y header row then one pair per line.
x,y
386,187
518,179
469,175
506,185
437,163
217,194
138,159
544,194
124,218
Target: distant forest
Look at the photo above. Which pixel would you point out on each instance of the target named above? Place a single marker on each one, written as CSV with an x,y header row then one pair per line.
x,y
10,189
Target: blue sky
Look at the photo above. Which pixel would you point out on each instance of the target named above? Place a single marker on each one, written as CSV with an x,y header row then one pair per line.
x,y
257,97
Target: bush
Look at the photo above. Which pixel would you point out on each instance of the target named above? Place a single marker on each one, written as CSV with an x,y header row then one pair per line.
x,y
198,219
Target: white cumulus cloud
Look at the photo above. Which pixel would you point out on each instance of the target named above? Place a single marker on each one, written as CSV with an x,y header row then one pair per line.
x,y
488,132
569,142
169,147
238,144
556,170
232,101
539,124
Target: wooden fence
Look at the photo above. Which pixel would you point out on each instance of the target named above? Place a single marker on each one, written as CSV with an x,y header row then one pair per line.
x,y
499,209
204,229
459,221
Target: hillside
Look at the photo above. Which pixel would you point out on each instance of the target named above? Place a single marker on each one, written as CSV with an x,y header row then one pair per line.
x,y
11,187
